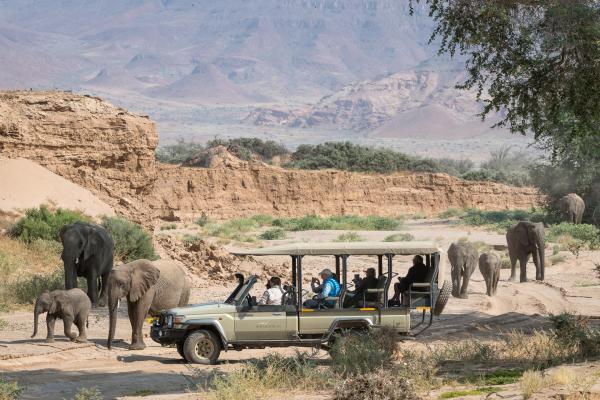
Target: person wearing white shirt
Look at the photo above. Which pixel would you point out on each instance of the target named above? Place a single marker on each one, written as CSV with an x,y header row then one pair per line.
x,y
274,293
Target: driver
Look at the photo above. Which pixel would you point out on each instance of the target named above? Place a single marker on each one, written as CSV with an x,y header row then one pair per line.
x,y
273,294
329,288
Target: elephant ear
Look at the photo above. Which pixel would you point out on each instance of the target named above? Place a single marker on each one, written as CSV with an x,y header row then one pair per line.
x,y
143,277
92,244
61,304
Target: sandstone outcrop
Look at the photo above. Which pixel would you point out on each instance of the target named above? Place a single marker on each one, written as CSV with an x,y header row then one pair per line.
x,y
110,151
88,141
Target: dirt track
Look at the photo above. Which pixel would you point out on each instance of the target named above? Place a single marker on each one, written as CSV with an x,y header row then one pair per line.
x,y
57,370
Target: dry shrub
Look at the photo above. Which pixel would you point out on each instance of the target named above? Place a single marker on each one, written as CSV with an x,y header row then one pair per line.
x,y
272,374
531,382
381,384
360,352
563,376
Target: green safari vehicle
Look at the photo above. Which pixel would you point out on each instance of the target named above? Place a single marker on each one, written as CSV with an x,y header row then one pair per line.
x,y
202,331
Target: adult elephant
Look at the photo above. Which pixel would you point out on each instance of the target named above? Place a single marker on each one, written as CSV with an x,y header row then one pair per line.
x,y
88,251
149,286
572,207
525,239
463,258
489,266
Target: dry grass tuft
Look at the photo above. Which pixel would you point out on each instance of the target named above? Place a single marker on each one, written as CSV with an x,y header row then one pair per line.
x,y
531,383
381,384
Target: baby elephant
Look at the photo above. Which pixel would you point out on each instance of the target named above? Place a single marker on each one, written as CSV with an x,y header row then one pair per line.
x,y
71,305
489,265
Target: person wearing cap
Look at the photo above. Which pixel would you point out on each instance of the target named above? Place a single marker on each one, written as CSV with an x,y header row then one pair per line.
x,y
368,282
329,288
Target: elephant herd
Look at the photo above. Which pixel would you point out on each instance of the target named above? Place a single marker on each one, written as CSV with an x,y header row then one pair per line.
x,y
148,286
525,239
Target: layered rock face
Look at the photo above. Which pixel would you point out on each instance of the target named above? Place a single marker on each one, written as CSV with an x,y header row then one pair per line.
x,y
84,139
110,151
234,188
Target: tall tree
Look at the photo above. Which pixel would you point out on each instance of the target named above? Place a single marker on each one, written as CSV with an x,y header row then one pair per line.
x,y
537,63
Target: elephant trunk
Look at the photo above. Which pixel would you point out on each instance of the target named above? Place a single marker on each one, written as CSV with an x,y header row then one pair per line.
x,y
113,305
36,313
541,256
70,273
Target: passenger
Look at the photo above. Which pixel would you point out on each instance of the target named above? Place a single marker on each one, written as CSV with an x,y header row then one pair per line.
x,y
416,274
368,282
274,293
329,288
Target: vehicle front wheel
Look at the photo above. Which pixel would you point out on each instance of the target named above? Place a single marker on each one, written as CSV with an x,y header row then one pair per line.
x,y
180,349
443,298
201,346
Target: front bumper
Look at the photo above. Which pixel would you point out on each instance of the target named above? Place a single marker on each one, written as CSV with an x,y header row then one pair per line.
x,y
164,335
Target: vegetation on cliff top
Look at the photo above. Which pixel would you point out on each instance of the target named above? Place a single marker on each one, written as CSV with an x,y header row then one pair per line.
x,y
504,165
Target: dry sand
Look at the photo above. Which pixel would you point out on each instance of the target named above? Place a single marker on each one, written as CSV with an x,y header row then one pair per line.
x,y
55,371
25,184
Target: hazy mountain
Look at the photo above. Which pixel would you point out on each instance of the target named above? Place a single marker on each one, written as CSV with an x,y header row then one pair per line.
x,y
199,66
204,51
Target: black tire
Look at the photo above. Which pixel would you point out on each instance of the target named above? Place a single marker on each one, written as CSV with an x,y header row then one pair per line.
x,y
443,297
201,347
180,349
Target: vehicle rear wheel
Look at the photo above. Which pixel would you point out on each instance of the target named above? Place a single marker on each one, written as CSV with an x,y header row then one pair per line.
x,y
201,346
180,349
443,297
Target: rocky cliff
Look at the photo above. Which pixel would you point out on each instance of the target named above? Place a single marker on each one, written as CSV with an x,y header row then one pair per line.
x,y
111,152
233,188
84,139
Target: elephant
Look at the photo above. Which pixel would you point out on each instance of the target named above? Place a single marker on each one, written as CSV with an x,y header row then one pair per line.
x,y
463,258
572,206
149,286
88,251
524,239
69,305
489,266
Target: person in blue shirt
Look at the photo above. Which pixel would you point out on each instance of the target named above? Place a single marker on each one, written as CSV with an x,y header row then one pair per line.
x,y
329,288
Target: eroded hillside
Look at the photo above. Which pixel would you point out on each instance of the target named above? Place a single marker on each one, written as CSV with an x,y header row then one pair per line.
x,y
110,151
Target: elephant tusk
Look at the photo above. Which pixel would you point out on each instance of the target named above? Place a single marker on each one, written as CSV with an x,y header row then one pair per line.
x,y
77,260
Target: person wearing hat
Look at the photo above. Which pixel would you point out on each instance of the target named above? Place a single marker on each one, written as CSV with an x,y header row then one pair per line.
x,y
329,288
368,282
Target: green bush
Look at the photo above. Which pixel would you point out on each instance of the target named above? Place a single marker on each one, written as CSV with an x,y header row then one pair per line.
x,y
343,222
357,353
131,241
574,331
177,153
349,237
233,229
41,223
588,234
202,220
244,148
272,234
399,237
9,390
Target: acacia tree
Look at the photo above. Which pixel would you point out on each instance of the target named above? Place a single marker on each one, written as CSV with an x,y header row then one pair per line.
x,y
537,63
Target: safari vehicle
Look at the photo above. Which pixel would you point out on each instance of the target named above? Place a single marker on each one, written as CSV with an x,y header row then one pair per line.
x,y
202,331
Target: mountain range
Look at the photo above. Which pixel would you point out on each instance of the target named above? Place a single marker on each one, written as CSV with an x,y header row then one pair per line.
x,y
359,65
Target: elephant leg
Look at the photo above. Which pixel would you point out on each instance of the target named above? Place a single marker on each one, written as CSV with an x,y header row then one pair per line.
x,y
80,322
50,320
455,282
538,267
523,266
513,268
140,311
495,281
68,323
464,286
489,283
92,283
103,291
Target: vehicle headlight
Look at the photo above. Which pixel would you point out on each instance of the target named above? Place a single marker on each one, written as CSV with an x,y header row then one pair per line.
x,y
169,321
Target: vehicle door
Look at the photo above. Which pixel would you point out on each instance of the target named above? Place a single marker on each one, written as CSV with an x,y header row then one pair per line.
x,y
261,322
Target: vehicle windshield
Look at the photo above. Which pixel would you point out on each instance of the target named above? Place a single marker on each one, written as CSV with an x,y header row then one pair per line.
x,y
243,290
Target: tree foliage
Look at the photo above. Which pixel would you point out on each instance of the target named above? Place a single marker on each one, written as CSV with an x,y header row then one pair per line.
x,y
538,63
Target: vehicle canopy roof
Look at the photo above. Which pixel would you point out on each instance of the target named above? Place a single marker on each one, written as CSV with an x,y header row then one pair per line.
x,y
343,248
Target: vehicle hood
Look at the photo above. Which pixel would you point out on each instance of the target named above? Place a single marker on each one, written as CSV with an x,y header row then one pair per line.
x,y
203,309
